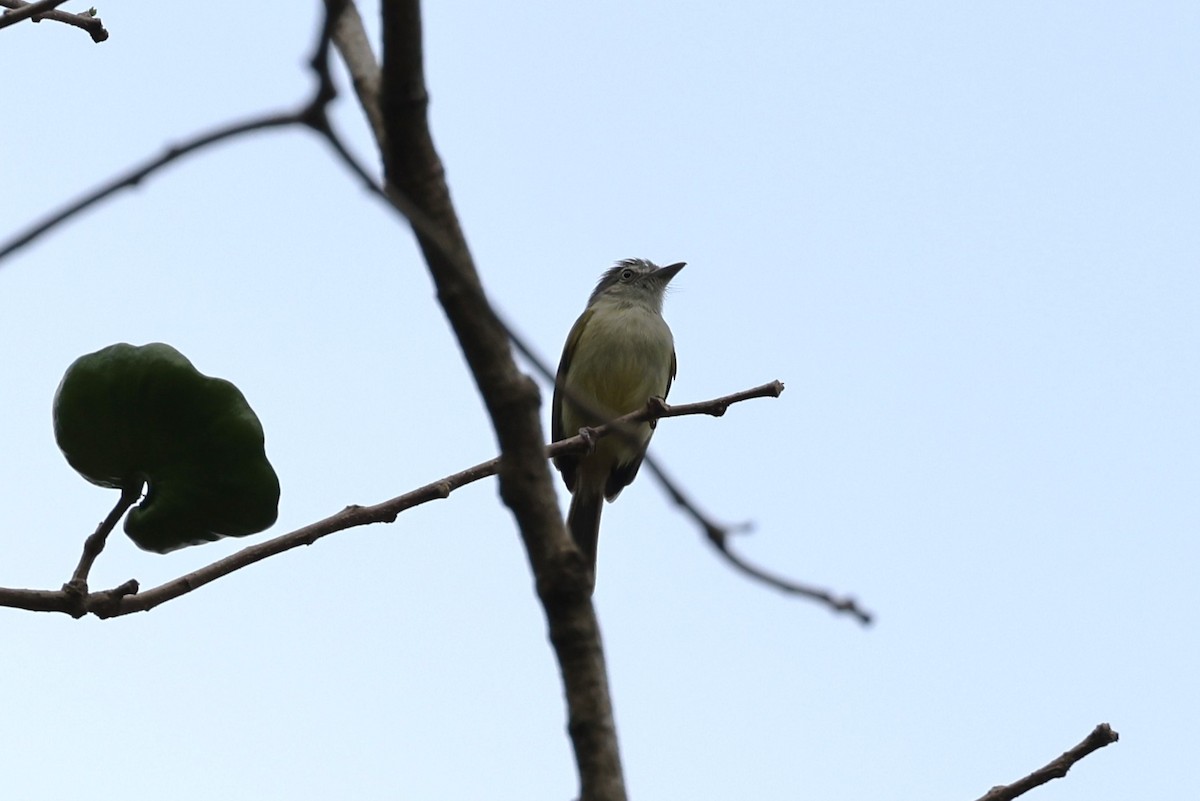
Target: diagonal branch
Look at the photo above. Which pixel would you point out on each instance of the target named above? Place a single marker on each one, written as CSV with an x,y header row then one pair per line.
x,y
1100,736
311,114
136,175
719,537
350,37
413,169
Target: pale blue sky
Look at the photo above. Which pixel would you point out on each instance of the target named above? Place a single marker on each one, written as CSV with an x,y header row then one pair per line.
x,y
963,234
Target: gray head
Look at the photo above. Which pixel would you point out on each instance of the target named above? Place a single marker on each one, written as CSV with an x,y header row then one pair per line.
x,y
635,281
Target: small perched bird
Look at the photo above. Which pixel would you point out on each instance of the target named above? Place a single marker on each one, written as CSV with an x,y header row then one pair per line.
x,y
619,354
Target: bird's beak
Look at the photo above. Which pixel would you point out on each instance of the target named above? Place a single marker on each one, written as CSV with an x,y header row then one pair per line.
x,y
664,274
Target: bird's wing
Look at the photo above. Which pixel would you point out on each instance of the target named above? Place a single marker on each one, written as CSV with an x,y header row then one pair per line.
x,y
671,377
566,463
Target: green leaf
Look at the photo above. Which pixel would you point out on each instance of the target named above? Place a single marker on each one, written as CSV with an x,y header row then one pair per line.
x,y
126,415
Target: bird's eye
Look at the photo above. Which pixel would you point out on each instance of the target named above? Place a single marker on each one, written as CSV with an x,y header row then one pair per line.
x,y
627,274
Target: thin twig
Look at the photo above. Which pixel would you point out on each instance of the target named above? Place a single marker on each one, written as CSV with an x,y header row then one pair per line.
x,y
1100,736
94,544
136,175
311,115
46,9
719,536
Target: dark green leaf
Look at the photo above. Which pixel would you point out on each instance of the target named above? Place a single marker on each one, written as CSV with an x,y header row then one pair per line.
x,y
126,415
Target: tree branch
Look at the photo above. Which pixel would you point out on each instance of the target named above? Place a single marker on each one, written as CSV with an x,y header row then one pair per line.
x,y
311,115
350,38
25,10
47,9
413,169
75,600
1100,736
136,175
719,537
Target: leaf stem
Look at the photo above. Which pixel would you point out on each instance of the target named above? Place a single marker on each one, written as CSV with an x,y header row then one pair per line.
x,y
94,544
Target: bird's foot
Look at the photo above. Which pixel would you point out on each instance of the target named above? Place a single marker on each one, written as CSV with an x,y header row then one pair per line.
x,y
589,436
657,406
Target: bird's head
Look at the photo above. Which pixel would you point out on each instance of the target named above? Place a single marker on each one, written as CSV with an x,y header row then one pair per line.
x,y
635,281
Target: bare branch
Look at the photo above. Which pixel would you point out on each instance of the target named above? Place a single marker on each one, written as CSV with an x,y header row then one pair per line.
x,y
26,11
657,409
47,9
350,38
719,537
312,115
136,175
1100,736
414,169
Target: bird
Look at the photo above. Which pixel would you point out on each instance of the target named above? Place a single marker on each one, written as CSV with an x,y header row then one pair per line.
x,y
619,354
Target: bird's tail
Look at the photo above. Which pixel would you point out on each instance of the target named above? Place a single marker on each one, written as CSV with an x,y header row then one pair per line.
x,y
583,520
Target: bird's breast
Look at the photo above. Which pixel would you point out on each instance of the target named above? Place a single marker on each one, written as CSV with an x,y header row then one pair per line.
x,y
623,358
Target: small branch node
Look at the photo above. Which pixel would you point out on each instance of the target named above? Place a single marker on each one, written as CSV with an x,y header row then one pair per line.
x,y
107,603
121,590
